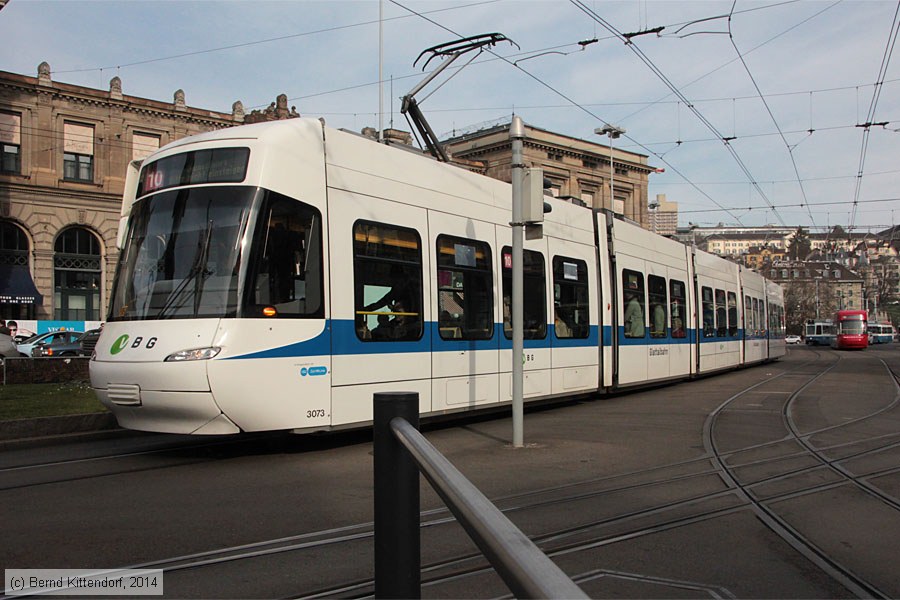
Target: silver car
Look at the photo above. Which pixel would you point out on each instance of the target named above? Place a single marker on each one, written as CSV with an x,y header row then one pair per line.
x,y
26,347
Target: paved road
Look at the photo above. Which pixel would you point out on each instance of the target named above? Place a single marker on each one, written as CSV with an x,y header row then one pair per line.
x,y
777,481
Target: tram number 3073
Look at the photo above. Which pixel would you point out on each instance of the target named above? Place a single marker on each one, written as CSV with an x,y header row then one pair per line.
x,y
318,412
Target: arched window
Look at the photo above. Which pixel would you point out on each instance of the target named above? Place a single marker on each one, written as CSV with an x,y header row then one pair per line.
x,y
76,276
18,296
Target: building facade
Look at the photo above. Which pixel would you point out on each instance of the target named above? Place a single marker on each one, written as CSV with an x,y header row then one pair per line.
x,y
64,151
816,289
578,170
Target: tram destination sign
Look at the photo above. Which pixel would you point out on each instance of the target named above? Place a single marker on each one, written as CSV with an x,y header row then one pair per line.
x,y
218,165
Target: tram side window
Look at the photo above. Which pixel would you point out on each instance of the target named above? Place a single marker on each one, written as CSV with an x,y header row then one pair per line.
x,y
721,314
678,304
570,298
633,303
756,323
534,295
464,289
748,316
387,282
709,312
762,318
656,290
732,314
287,274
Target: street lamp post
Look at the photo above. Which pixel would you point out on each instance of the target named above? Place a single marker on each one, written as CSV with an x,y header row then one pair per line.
x,y
613,132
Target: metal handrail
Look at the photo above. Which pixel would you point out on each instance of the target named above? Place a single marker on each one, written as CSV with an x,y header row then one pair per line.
x,y
525,569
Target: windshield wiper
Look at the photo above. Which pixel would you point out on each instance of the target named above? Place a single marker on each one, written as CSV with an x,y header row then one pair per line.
x,y
197,274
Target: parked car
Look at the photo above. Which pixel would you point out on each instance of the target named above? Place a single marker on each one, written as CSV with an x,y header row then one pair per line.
x,y
792,339
83,345
50,337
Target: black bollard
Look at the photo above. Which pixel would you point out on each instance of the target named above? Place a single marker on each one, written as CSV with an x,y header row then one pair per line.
x,y
397,550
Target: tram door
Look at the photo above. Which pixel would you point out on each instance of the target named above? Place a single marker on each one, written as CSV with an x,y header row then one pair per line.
x,y
535,318
381,302
465,343
574,334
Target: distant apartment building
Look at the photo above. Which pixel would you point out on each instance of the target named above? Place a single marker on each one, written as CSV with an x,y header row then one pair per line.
x,y
830,285
578,170
663,216
759,257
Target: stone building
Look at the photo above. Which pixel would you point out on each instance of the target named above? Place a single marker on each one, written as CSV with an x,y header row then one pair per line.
x,y
577,169
64,150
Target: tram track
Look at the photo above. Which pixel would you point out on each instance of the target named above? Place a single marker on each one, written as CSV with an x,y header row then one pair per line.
x,y
819,556
557,542
610,529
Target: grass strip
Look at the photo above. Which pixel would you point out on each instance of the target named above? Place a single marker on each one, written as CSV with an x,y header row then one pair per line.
x,y
27,401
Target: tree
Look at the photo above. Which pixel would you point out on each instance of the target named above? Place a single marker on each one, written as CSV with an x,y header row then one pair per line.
x,y
800,245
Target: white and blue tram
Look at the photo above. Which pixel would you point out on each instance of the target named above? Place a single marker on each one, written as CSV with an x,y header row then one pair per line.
x,y
880,333
818,332
274,276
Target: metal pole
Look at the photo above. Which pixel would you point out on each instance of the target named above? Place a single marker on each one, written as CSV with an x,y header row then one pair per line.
x,y
612,194
613,132
381,70
517,135
397,543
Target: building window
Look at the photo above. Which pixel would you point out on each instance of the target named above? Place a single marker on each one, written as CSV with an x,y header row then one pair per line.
x,y
387,274
14,247
77,276
465,289
143,145
78,152
10,143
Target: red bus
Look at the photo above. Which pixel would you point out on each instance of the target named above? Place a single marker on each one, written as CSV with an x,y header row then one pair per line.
x,y
850,330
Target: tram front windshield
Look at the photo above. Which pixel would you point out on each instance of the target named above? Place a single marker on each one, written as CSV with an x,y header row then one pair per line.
x,y
855,327
222,251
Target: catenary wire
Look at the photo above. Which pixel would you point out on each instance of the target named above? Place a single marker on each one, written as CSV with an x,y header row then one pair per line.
x,y
662,76
577,105
870,116
771,114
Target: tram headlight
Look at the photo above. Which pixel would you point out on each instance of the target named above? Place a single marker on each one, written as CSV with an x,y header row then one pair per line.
x,y
194,354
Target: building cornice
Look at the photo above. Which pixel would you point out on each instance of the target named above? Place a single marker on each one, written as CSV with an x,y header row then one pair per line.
x,y
100,98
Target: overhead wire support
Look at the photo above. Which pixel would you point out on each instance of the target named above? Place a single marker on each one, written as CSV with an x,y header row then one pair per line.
x,y
656,30
450,51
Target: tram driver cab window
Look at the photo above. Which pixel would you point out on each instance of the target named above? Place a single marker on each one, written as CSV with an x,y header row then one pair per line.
x,y
387,282
286,274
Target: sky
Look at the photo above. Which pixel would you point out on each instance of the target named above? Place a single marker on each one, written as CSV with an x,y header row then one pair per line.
x,y
757,110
